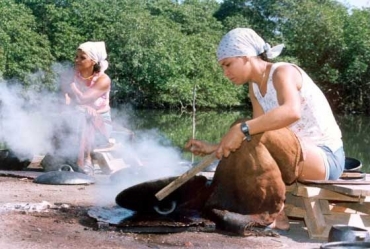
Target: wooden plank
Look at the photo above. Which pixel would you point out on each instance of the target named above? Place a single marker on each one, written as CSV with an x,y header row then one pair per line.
x,y
359,207
108,163
347,187
354,190
164,192
314,217
352,175
291,187
336,182
111,147
320,193
293,211
325,208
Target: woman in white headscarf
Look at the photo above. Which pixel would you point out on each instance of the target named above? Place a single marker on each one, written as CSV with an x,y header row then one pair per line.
x,y
292,136
89,91
282,95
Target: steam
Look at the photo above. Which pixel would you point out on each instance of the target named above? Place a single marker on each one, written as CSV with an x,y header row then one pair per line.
x,y
25,126
148,160
30,119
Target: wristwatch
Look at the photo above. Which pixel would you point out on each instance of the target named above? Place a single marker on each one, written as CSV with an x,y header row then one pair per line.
x,y
245,129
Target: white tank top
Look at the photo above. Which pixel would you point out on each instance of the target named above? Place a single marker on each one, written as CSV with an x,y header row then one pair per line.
x,y
317,122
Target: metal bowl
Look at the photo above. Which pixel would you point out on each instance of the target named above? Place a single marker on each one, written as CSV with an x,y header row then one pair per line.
x,y
348,234
352,164
345,245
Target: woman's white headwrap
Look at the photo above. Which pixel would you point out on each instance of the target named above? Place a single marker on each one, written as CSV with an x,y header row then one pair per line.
x,y
245,42
96,51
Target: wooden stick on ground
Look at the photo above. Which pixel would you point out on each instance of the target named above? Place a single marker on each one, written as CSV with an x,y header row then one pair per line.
x,y
164,192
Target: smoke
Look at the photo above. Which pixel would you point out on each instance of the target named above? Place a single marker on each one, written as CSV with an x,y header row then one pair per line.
x,y
26,126
147,159
30,119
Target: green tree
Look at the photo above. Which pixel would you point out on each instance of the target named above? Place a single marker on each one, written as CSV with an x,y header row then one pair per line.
x,y
355,73
164,52
314,33
259,15
22,50
160,50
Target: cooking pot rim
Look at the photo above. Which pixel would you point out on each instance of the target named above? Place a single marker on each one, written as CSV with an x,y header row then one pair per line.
x,y
354,228
359,244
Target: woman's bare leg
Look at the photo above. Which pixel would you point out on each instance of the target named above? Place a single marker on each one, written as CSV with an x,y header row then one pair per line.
x,y
313,166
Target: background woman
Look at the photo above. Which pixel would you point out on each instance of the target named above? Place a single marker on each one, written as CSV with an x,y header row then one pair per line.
x,y
89,93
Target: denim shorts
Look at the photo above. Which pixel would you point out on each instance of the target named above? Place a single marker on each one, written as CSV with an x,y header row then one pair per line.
x,y
335,164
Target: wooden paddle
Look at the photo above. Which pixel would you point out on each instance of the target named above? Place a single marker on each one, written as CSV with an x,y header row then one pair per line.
x,y
164,192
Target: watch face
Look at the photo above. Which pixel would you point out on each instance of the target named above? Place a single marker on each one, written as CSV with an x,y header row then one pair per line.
x,y
245,130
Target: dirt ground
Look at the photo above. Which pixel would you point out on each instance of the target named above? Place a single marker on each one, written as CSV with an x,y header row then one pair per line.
x,y
56,216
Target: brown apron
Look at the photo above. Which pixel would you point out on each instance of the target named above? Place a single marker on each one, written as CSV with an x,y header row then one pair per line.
x,y
252,179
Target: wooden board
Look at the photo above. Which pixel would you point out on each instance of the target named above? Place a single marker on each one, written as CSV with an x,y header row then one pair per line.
x,y
336,182
354,190
347,187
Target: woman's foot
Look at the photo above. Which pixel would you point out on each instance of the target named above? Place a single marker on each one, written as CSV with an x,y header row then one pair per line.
x,y
88,168
281,222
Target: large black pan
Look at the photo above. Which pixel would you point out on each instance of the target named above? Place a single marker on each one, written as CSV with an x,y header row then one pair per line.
x,y
141,197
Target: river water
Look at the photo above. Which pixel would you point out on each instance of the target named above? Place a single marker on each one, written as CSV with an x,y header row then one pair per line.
x,y
174,128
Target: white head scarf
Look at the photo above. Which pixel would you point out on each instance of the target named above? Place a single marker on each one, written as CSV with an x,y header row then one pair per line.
x,y
245,42
96,51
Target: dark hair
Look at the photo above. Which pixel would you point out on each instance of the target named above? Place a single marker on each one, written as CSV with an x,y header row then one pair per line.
x,y
97,67
263,56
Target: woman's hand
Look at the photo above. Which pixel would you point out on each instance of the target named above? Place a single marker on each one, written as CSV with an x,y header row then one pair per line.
x,y
200,148
88,111
230,142
67,99
91,111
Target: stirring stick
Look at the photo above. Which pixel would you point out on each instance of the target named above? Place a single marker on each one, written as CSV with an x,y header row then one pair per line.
x,y
164,192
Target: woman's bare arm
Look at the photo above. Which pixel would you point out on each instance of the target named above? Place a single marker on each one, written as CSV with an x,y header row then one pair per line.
x,y
101,86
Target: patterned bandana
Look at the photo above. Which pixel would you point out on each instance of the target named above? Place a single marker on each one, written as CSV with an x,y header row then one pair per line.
x,y
245,42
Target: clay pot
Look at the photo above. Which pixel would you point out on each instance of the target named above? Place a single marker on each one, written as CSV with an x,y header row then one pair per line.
x,y
348,234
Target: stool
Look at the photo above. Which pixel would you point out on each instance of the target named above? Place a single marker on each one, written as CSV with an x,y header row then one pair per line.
x,y
324,203
107,159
